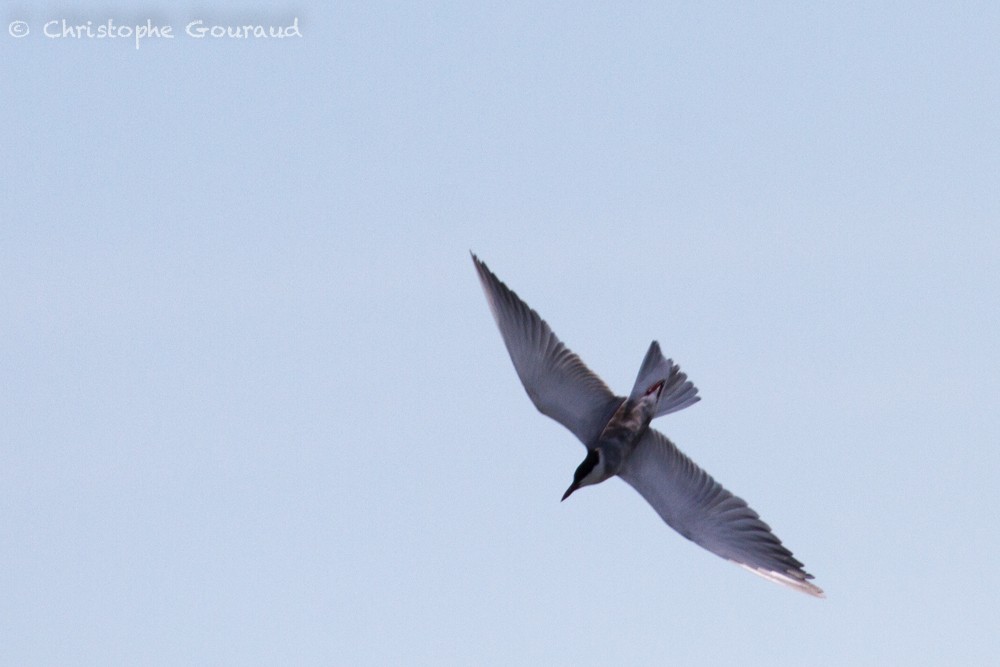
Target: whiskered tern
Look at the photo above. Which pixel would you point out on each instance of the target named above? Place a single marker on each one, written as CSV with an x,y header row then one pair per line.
x,y
619,441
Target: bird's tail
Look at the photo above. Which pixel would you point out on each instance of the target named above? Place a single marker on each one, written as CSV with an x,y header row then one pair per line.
x,y
678,392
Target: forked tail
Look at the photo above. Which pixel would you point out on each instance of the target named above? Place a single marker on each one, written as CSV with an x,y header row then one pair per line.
x,y
678,392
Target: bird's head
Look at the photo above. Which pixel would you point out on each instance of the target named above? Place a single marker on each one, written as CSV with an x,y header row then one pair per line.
x,y
591,471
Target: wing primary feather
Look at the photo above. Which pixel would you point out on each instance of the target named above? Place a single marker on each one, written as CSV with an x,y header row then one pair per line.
x,y
702,510
557,381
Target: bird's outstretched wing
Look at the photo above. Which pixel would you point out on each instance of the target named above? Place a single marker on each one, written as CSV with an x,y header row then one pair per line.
x,y
700,509
559,384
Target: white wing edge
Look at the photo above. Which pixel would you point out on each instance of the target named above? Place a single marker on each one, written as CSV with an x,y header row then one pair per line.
x,y
783,579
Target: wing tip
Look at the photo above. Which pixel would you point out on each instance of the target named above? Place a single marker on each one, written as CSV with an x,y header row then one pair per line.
x,y
793,579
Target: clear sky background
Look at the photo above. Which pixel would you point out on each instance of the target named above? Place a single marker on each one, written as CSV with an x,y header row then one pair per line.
x,y
254,409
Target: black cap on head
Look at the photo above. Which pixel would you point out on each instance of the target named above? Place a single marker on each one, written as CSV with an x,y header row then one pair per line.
x,y
582,471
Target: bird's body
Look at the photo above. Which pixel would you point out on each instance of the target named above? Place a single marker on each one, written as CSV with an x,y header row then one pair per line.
x,y
619,441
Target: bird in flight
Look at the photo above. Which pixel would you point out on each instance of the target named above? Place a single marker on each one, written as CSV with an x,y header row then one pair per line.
x,y
619,441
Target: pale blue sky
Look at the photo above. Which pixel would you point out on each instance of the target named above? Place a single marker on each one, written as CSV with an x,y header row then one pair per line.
x,y
255,409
